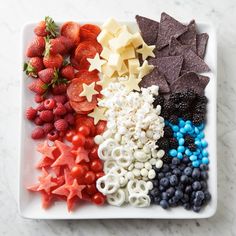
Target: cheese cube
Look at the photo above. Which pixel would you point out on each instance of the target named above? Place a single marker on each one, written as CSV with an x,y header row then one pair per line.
x,y
123,70
107,70
114,45
111,25
128,53
124,39
105,53
137,40
115,61
122,29
133,65
104,37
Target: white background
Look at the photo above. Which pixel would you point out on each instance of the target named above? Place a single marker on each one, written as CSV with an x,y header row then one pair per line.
x,y
14,13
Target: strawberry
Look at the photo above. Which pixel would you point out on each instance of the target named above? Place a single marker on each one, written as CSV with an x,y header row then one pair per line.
x,y
59,89
54,46
36,47
46,75
38,86
53,61
68,72
68,43
34,65
46,27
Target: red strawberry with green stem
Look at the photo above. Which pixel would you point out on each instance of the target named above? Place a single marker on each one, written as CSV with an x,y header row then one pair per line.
x,y
38,86
36,47
33,66
67,72
47,75
53,61
54,46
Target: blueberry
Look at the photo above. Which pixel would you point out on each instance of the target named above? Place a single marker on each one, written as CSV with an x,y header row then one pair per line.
x,y
182,166
193,194
173,180
155,183
160,175
179,194
188,189
172,166
165,168
170,192
164,196
196,208
190,180
196,173
157,200
155,192
151,198
185,160
204,175
176,171
200,195
196,185
164,182
187,206
185,198
180,187
203,185
184,179
204,167
207,195
164,204
168,174
162,188
175,161
188,171
175,199
197,202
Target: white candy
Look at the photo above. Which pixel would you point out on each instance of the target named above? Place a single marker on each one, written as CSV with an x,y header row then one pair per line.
x,y
130,175
117,198
154,153
159,163
140,155
138,165
105,149
107,134
148,165
152,161
146,149
122,156
136,172
118,171
98,139
160,153
108,184
108,165
117,137
139,200
123,180
151,174
144,172
131,167
150,185
149,134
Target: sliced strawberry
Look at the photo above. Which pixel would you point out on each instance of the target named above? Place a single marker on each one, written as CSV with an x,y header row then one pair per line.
x,y
74,90
89,32
86,73
53,61
67,42
36,47
68,72
71,30
86,48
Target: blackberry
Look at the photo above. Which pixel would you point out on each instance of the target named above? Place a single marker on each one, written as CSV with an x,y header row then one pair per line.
x,y
192,147
175,97
168,133
183,106
165,114
202,99
188,139
190,94
159,100
169,106
166,159
198,119
187,116
173,143
163,143
174,119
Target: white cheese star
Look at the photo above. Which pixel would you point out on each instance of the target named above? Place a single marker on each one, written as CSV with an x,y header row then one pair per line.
x,y
146,51
132,83
144,69
96,63
98,114
88,91
105,81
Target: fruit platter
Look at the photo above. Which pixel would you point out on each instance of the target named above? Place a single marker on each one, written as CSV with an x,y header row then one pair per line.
x,y
118,119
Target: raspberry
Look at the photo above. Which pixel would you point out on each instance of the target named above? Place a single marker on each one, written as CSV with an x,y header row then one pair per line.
x,y
46,115
60,98
38,121
62,134
70,119
61,125
60,110
53,135
68,107
49,104
37,133
56,117
38,98
47,127
59,89
40,107
30,113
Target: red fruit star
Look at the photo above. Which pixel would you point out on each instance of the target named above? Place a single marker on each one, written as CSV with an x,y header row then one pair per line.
x,y
46,150
75,189
81,155
44,162
66,157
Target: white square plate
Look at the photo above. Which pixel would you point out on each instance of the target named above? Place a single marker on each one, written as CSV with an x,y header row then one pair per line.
x,y
30,203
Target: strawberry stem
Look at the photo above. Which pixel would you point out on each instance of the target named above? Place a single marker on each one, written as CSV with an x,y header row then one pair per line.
x,y
51,27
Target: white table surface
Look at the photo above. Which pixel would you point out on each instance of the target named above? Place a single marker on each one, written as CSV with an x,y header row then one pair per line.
x,y
14,13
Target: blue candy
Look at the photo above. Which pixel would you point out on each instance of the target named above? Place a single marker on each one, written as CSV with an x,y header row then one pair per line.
x,y
196,163
182,130
201,127
181,141
175,128
188,122
187,127
204,143
173,152
205,160
197,142
179,155
181,123
193,158
205,153
179,135
188,152
201,135
196,130
181,149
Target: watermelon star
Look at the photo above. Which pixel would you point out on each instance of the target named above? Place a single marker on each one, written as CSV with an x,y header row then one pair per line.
x,y
46,150
66,156
44,162
75,189
81,155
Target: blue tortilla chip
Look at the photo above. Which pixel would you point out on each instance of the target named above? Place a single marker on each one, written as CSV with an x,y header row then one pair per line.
x,y
202,40
168,27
